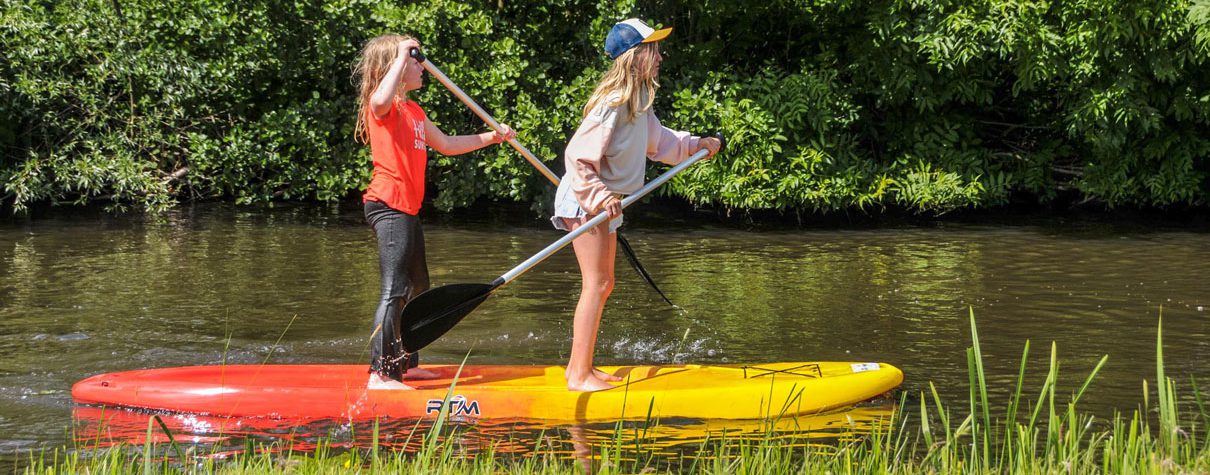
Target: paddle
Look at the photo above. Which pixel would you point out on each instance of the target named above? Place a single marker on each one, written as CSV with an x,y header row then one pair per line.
x,y
529,156
434,312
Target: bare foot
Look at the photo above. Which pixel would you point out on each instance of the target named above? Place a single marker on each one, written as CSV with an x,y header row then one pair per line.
x,y
588,384
378,381
420,373
603,376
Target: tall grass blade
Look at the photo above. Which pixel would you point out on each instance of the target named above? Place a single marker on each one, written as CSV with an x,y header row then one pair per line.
x,y
1197,398
1010,419
443,414
987,418
1164,388
1088,381
180,454
277,343
1046,385
374,462
148,448
924,423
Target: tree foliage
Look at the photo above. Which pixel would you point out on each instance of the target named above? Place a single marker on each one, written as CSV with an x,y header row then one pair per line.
x,y
925,105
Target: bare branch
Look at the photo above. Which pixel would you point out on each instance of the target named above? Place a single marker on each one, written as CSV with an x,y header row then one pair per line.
x,y
176,175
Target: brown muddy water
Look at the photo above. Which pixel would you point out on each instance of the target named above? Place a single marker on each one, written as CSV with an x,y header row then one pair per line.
x,y
83,292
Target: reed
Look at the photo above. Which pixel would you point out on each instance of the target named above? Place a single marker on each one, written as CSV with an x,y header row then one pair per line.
x,y
1048,434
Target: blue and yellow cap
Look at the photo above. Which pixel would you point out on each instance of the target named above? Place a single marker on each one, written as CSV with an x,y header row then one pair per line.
x,y
630,33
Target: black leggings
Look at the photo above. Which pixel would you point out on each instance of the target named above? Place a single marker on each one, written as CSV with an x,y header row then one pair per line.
x,y
405,274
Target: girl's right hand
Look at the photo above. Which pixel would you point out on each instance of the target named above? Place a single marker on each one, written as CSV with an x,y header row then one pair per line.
x,y
613,207
405,48
711,145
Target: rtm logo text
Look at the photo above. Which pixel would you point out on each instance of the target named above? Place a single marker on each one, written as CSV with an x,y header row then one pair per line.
x,y
459,406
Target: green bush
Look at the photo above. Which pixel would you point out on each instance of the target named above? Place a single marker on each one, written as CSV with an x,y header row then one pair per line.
x,y
927,106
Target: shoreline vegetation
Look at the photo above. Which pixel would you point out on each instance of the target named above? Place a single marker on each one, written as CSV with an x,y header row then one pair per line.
x,y
1040,430
831,107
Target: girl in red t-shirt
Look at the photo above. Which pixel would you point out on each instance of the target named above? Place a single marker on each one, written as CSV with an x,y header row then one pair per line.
x,y
398,133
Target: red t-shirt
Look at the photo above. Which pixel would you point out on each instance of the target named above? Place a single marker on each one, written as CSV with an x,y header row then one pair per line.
x,y
400,154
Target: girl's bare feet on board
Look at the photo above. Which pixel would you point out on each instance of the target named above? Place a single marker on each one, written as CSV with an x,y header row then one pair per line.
x,y
420,373
378,381
586,384
603,376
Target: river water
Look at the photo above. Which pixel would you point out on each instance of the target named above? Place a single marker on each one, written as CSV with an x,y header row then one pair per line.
x,y
84,292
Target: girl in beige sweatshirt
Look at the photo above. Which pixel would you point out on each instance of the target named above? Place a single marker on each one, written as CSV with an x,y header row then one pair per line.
x,y
605,160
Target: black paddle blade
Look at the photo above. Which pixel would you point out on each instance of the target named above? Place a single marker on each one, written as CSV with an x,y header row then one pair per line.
x,y
634,261
434,312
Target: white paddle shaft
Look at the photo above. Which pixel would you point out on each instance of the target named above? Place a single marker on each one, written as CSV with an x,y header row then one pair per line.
x,y
598,219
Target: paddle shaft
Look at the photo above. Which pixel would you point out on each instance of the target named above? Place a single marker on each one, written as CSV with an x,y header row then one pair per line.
x,y
598,219
462,96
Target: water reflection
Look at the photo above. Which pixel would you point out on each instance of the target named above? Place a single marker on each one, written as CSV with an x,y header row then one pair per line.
x,y
666,442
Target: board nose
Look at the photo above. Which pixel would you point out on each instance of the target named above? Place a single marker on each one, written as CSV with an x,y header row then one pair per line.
x,y
93,388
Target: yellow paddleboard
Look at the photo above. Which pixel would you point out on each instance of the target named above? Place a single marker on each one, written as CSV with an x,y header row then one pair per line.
x,y
755,391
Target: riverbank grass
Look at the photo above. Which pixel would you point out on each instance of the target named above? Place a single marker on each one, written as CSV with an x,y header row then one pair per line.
x,y
1045,433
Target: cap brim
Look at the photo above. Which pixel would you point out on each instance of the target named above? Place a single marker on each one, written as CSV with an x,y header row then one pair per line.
x,y
659,35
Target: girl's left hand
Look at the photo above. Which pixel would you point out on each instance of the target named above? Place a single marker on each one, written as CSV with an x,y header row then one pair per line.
x,y
710,143
505,134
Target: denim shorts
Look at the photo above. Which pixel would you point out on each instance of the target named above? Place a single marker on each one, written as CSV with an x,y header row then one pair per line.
x,y
567,206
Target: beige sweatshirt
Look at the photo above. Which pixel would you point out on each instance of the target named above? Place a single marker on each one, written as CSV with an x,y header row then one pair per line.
x,y
607,153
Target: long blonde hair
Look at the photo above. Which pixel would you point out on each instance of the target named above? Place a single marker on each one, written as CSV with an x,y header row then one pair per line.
x,y
371,67
624,77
